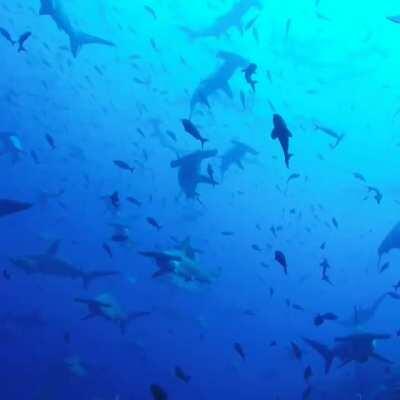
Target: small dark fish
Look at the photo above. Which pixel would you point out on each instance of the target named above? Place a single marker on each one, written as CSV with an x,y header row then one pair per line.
x,y
124,165
384,267
115,200
296,351
243,100
292,177
141,133
397,286
120,237
180,374
335,223
288,25
6,35
6,275
251,22
154,223
239,349
394,295
50,141
191,129
171,135
227,233
297,307
281,259
271,292
321,318
282,133
256,247
308,374
107,249
359,177
273,343
134,201
158,392
394,18
154,45
249,71
151,11
323,246
35,158
21,41
377,193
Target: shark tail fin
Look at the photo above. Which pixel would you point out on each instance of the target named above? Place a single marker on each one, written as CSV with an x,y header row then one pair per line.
x,y
131,317
79,39
287,159
203,142
324,351
89,277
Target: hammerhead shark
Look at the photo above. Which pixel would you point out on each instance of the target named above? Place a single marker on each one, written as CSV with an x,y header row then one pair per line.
x,y
357,347
55,9
235,155
232,18
218,80
390,242
51,265
106,307
8,207
362,315
189,175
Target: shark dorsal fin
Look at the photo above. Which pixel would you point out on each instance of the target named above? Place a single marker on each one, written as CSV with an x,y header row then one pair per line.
x,y
54,247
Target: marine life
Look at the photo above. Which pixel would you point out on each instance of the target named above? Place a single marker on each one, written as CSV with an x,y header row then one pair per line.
x,y
123,165
191,129
280,258
6,35
249,71
236,155
282,133
8,207
21,41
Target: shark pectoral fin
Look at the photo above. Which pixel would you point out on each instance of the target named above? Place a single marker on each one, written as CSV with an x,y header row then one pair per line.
x,y
54,247
240,165
79,39
380,358
274,134
228,91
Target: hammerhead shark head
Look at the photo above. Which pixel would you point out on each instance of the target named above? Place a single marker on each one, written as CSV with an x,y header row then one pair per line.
x,y
362,316
235,155
357,347
8,207
390,242
233,18
106,307
55,9
189,175
51,265
218,80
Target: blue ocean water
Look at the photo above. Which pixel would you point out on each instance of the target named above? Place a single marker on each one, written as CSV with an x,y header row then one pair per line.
x,y
199,200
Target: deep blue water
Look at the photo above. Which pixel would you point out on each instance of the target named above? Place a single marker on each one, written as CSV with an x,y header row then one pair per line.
x,y
198,237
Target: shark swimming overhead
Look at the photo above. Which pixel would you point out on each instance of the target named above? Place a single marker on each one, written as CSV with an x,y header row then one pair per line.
x,y
235,155
390,242
8,207
189,172
234,18
218,80
78,39
49,264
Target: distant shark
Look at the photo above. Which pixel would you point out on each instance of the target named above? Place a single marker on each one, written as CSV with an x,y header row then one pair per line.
x,y
105,306
359,348
10,144
8,207
217,81
55,9
231,19
235,155
390,242
189,174
51,265
362,315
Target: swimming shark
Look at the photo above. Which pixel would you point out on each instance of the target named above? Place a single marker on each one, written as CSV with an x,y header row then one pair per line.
x,y
55,9
218,80
189,174
232,18
358,347
106,306
180,268
8,207
10,144
51,265
390,242
362,315
235,155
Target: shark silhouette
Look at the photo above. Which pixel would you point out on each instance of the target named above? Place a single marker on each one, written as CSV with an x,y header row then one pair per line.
x,y
189,174
390,242
51,265
218,80
235,155
233,18
8,207
357,347
55,9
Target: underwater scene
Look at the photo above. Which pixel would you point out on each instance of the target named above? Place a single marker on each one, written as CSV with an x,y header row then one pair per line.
x,y
200,200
